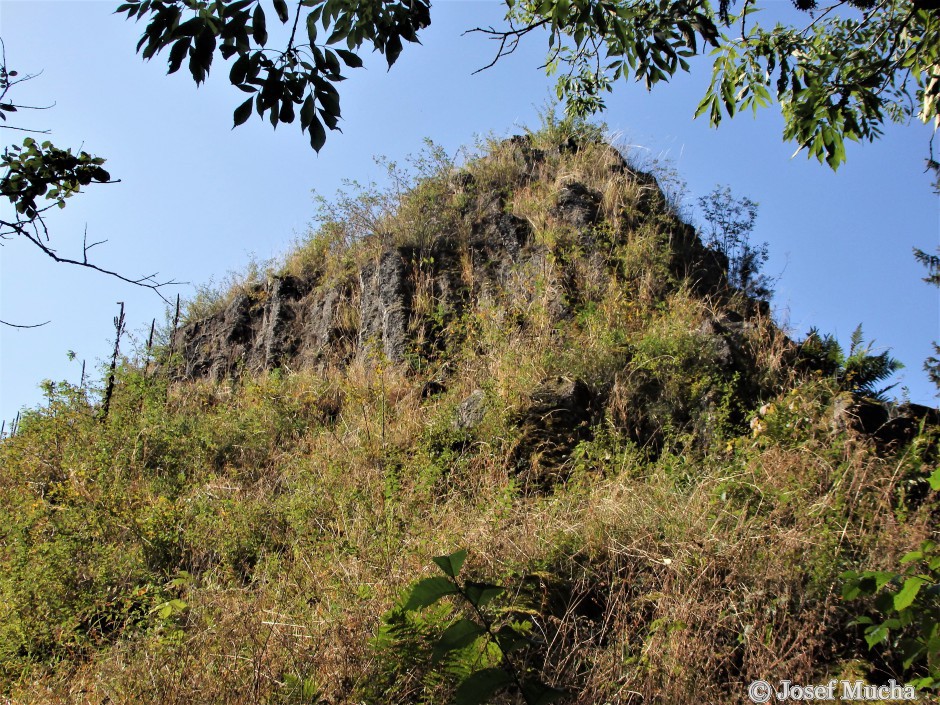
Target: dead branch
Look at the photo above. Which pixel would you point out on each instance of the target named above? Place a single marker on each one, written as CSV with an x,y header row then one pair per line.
x,y
508,39
148,281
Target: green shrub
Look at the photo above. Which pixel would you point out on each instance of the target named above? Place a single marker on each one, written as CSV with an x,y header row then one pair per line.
x,y
906,621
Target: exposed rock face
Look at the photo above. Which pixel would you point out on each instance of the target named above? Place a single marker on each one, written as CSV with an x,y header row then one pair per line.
x,y
272,325
578,205
385,305
889,426
470,411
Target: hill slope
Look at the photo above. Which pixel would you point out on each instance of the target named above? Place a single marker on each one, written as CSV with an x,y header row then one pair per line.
x,y
530,357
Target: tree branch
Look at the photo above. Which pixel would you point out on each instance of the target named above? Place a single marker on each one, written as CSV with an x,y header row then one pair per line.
x,y
510,37
25,129
149,281
19,325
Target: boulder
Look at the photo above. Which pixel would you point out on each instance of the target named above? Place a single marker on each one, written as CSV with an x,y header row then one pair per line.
x,y
557,418
577,205
470,411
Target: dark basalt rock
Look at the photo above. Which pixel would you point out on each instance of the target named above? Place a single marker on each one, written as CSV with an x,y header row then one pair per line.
x,y
557,419
577,205
888,426
254,332
385,306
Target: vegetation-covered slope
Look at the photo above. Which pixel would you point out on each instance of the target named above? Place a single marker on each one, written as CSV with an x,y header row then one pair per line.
x,y
532,358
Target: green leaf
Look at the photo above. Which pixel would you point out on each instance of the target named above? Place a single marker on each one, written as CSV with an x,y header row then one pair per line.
x,y
880,578
451,565
349,58
312,27
330,120
287,111
480,594
329,99
392,49
461,633
242,112
934,479
480,686
428,591
922,683
876,635
280,7
239,71
905,597
258,26
306,112
332,63
177,54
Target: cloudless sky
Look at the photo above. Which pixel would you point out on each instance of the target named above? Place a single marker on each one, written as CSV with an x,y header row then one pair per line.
x,y
198,200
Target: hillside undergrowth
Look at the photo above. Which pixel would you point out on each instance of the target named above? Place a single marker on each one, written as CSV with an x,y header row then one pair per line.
x,y
657,476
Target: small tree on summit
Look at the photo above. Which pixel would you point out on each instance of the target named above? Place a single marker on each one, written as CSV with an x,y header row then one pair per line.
x,y
730,225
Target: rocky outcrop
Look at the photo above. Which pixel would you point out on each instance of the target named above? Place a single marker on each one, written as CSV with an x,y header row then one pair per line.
x,y
470,411
372,309
578,205
385,305
889,426
558,417
290,322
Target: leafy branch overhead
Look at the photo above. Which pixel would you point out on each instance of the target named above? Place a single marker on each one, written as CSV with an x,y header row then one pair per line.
x,y
35,177
36,170
298,80
838,72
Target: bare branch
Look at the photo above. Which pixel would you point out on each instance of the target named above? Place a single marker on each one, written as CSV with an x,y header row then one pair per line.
x,y
19,325
148,281
508,40
25,129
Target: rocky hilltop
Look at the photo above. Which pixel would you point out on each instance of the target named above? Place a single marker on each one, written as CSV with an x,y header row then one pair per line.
x,y
505,435
484,251
399,300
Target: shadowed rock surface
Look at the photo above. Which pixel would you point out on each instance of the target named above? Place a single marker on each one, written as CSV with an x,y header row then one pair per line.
x,y
558,417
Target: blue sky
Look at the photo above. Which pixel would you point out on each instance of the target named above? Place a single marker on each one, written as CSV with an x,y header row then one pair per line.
x,y
198,200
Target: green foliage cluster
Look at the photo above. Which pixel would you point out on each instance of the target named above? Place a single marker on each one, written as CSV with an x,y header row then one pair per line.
x,y
837,77
859,372
35,170
908,601
481,653
298,80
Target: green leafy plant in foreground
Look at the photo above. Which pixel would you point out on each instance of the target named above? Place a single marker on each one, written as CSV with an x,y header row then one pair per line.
x,y
479,647
909,605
